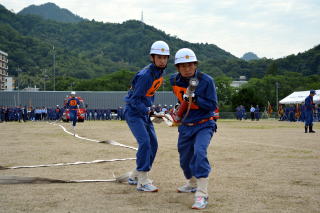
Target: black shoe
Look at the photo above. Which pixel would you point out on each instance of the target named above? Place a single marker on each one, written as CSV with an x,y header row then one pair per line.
x,y
305,129
310,129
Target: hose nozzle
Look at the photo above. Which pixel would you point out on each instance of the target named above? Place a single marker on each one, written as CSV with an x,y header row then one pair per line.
x,y
193,83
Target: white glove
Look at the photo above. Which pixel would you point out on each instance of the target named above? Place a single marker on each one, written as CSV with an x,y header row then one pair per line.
x,y
187,96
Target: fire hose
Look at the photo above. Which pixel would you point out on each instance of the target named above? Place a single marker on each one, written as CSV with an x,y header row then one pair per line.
x,y
185,105
19,179
111,142
37,180
65,164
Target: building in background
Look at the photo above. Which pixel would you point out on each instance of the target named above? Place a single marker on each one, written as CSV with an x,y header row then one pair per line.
x,y
9,83
3,69
31,89
242,80
93,99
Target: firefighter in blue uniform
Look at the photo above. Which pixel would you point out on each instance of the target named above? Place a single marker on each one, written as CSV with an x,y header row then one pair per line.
x,y
1,113
309,107
257,112
57,113
139,99
197,125
18,113
73,106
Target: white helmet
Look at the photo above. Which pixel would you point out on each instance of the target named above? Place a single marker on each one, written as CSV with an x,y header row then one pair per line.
x,y
160,48
73,93
185,55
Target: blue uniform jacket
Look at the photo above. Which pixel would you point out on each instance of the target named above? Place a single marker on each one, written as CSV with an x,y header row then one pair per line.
x,y
73,103
206,97
309,105
145,83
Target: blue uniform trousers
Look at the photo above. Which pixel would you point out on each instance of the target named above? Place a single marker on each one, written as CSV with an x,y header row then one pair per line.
x,y
193,143
308,117
73,117
143,130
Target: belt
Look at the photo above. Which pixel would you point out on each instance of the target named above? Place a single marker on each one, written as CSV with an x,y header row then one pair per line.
x,y
199,122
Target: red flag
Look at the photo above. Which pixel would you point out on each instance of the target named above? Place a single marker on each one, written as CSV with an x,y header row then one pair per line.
x,y
269,109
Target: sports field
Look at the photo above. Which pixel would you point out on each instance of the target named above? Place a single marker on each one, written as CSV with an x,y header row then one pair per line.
x,y
264,166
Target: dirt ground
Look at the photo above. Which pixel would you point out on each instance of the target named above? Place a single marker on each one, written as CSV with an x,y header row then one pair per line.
x,y
259,166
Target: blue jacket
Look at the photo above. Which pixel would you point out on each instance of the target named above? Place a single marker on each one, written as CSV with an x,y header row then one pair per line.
x,y
309,105
145,83
73,103
206,97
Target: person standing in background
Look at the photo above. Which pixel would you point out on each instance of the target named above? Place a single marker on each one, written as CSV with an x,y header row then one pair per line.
x,y
257,113
309,108
252,109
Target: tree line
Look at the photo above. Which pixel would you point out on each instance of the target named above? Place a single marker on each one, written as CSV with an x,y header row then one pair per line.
x,y
95,56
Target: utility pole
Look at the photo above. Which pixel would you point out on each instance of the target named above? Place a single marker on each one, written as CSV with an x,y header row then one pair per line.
x,y
18,79
277,87
54,69
45,77
71,85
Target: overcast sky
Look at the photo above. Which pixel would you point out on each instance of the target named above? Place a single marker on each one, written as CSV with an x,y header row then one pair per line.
x,y
269,28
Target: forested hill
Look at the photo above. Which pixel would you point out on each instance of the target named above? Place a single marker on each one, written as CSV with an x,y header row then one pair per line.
x,y
86,49
307,63
91,49
249,56
52,12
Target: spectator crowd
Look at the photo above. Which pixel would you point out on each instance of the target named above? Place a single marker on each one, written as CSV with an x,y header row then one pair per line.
x,y
290,113
29,113
296,112
241,113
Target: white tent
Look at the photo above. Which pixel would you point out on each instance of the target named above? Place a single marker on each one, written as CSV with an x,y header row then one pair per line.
x,y
298,97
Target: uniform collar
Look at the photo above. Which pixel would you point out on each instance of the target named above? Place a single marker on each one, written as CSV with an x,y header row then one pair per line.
x,y
153,67
180,77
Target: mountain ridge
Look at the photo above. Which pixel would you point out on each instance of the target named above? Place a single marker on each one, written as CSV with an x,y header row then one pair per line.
x,y
249,56
52,12
91,49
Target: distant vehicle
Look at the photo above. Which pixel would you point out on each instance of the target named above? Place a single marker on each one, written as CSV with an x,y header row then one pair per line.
x,y
80,113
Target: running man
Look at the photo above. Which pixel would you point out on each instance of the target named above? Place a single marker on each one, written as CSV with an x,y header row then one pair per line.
x,y
139,99
73,106
197,123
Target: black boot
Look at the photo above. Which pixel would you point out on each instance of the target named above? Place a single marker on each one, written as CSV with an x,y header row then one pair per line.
x,y
306,129
310,129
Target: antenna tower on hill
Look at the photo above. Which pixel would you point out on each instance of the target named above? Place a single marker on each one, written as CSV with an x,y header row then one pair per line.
x,y
142,16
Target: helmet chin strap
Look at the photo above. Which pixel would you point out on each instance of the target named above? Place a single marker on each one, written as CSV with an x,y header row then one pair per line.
x,y
187,78
161,68
153,61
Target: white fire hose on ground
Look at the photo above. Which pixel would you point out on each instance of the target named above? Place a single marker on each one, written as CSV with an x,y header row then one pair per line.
x,y
19,179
